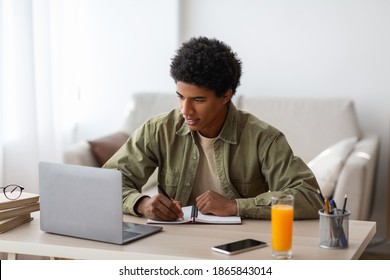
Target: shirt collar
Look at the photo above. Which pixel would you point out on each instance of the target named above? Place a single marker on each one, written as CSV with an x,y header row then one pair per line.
x,y
229,129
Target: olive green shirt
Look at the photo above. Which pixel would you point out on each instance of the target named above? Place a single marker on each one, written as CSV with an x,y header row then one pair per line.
x,y
254,162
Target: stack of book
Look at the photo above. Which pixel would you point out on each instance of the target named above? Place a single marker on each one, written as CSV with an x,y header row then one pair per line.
x,y
17,212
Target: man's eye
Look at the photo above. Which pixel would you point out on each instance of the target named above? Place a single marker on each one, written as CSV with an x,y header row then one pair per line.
x,y
199,99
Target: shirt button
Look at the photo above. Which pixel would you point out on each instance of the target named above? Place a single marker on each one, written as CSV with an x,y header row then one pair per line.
x,y
188,184
195,157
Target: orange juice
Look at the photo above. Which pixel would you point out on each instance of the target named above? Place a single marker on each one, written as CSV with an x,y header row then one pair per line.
x,y
282,223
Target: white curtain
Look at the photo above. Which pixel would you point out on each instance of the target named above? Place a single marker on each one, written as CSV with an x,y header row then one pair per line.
x,y
38,86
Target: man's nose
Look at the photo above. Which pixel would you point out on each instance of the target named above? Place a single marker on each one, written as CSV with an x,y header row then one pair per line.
x,y
186,107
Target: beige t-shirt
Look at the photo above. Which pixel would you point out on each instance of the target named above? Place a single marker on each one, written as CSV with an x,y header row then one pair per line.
x,y
206,175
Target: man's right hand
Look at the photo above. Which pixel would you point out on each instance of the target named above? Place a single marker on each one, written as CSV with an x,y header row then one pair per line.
x,y
159,208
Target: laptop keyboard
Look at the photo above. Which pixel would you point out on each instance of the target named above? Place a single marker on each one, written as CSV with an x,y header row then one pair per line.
x,y
128,231
129,234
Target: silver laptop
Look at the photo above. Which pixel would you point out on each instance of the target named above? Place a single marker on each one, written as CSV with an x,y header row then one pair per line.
x,y
85,202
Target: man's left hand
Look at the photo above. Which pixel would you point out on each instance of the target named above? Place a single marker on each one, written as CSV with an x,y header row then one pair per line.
x,y
213,203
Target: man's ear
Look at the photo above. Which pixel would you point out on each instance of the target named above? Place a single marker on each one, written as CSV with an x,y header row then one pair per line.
x,y
228,96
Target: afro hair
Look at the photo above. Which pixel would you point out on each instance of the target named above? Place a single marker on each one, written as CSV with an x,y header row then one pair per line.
x,y
207,63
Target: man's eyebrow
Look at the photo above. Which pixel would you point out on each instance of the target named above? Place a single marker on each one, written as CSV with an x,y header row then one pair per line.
x,y
199,97
193,97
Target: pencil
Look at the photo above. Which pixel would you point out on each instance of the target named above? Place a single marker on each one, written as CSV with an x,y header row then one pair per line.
x,y
326,205
162,190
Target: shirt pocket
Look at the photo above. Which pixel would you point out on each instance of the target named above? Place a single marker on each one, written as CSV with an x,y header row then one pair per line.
x,y
250,188
169,179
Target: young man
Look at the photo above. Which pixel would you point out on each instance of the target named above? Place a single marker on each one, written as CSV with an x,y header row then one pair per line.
x,y
224,160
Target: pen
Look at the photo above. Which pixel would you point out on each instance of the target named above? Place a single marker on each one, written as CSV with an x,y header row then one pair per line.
x,y
162,190
194,213
345,203
333,206
343,239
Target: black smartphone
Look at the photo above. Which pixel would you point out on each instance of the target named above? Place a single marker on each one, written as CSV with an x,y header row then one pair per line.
x,y
239,246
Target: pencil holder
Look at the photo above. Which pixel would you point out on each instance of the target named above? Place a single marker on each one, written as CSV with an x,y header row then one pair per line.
x,y
334,229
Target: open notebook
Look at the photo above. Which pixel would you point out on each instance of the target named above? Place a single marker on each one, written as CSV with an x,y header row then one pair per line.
x,y
192,216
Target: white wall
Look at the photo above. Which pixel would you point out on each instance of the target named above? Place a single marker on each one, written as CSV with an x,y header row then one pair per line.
x,y
309,48
125,47
289,48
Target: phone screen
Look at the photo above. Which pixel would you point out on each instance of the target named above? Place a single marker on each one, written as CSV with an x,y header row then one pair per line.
x,y
239,246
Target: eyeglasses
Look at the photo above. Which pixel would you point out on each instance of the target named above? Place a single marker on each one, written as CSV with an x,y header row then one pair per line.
x,y
12,191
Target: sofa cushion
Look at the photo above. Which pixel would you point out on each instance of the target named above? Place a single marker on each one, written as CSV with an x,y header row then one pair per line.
x,y
310,125
105,147
145,105
328,164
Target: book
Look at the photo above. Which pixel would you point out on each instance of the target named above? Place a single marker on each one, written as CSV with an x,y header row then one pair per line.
x,y
7,224
17,211
193,216
24,199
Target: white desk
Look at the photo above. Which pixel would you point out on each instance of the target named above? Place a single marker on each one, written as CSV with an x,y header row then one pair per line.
x,y
188,241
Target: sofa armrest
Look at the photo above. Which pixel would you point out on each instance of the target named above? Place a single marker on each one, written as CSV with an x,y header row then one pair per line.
x,y
80,154
357,178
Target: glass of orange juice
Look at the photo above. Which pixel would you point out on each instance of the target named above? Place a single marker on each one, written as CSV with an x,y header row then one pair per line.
x,y
282,217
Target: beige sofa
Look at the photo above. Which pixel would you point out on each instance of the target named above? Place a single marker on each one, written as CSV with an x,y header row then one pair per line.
x,y
325,133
